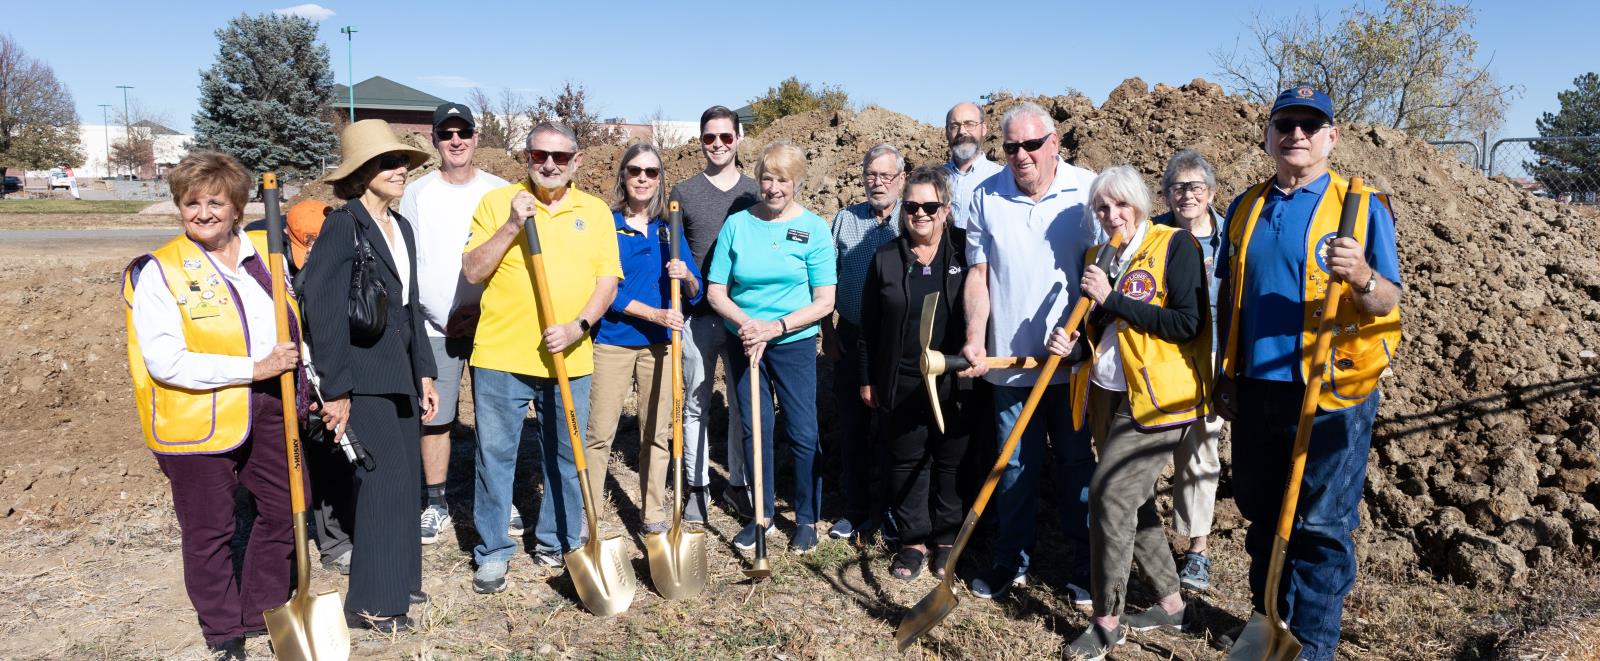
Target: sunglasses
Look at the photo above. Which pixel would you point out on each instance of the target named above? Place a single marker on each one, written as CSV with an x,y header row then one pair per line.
x,y
444,134
562,158
929,208
709,139
1026,145
634,170
1310,126
392,161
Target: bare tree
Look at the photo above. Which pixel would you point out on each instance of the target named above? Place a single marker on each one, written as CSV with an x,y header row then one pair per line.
x,y
1408,65
515,109
571,106
137,152
662,131
38,125
491,126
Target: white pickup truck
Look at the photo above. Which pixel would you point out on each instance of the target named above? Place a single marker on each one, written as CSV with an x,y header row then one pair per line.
x,y
60,179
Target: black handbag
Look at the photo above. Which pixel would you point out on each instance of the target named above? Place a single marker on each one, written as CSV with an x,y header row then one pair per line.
x,y
369,299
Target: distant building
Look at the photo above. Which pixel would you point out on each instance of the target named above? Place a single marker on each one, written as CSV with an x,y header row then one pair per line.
x,y
169,148
380,98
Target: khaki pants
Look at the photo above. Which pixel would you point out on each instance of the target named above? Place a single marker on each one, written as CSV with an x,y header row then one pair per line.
x,y
1124,525
1196,468
616,369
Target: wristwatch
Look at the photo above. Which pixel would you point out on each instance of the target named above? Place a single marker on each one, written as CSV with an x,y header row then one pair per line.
x,y
583,324
1372,284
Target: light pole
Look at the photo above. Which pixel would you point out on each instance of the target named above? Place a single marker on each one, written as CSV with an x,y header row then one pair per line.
x,y
349,31
105,123
127,121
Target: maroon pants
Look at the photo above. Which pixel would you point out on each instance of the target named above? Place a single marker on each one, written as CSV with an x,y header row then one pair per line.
x,y
203,487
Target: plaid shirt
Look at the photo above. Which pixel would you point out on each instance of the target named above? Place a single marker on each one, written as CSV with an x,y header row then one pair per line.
x,y
857,234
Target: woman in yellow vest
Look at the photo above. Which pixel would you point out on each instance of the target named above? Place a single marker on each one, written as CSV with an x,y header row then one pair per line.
x,y
1143,378
203,352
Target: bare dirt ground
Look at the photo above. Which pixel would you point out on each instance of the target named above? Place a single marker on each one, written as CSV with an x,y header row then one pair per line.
x,y
93,571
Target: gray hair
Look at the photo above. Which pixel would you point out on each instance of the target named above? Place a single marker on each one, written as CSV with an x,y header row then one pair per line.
x,y
1028,109
879,150
554,127
1122,183
1185,161
657,207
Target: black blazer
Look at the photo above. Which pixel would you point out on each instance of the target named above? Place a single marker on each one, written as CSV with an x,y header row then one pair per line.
x,y
391,364
887,317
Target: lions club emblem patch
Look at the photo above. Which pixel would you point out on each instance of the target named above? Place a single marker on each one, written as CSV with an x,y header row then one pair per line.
x,y
1138,285
1322,250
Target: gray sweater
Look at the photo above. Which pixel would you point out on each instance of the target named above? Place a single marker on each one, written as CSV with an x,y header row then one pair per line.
x,y
705,207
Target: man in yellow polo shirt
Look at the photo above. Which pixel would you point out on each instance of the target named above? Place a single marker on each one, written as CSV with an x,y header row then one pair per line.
x,y
511,355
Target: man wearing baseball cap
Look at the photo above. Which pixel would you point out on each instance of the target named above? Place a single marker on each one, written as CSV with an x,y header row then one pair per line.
x,y
1276,266
439,206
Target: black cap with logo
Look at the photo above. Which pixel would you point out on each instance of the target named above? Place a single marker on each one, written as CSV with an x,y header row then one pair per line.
x,y
453,111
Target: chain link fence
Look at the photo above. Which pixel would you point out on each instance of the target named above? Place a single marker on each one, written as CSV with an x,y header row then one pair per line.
x,y
1565,169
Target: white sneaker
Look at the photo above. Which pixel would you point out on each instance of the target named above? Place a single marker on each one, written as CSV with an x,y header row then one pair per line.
x,y
514,525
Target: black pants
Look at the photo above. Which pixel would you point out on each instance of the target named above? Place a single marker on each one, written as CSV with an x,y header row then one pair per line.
x,y
924,468
332,496
386,563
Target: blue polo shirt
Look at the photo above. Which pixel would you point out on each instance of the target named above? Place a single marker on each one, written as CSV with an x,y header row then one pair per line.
x,y
1273,297
644,279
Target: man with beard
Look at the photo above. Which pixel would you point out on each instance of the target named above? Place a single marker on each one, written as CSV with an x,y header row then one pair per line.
x,y
439,207
969,165
858,231
512,362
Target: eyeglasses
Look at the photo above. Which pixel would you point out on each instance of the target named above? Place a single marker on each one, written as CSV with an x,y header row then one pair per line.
x,y
1185,187
910,208
884,177
968,125
392,161
634,170
1026,145
443,135
1310,125
709,139
562,158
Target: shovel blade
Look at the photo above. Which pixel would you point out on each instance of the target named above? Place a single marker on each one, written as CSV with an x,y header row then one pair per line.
x,y
677,562
309,628
1265,640
602,576
926,615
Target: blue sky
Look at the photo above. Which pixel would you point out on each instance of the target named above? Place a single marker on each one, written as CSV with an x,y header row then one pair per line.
x,y
635,57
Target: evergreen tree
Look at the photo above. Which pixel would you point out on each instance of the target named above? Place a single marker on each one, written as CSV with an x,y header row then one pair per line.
x,y
264,99
1571,166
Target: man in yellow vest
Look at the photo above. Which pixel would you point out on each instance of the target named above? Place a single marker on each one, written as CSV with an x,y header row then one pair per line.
x,y
1280,256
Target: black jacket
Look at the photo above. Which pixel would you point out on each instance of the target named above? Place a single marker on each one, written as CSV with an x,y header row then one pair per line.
x,y
391,364
886,315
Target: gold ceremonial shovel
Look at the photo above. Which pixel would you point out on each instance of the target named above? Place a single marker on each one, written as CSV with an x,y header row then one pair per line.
x,y
677,556
758,568
934,363
1266,637
933,608
310,627
600,570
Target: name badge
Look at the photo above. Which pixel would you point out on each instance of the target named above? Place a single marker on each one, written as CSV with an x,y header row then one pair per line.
x,y
798,236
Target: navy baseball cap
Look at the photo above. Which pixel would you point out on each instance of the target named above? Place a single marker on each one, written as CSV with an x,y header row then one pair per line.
x,y
1303,95
453,111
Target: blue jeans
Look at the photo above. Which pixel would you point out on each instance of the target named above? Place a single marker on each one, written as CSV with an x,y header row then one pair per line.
x,y
791,369
1320,567
1016,498
501,402
862,467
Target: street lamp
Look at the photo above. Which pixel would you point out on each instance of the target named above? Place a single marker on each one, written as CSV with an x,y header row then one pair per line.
x,y
127,121
105,123
349,31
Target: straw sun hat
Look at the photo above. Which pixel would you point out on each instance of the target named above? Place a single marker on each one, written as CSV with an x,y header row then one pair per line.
x,y
368,139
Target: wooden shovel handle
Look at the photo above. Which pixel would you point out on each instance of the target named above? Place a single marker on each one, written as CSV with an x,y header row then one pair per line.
x,y
280,315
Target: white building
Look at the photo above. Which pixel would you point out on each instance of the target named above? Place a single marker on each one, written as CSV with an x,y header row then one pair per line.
x,y
170,147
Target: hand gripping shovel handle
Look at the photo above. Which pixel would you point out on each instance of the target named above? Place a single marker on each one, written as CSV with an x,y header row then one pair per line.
x,y
937,604
1283,643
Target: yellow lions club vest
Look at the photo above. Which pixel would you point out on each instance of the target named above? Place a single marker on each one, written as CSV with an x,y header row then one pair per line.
x,y
177,420
1168,383
1362,344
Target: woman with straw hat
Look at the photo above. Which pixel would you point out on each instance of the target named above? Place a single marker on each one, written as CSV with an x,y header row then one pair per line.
x,y
377,376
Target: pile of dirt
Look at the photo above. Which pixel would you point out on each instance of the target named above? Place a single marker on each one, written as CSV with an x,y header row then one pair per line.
x,y
1487,452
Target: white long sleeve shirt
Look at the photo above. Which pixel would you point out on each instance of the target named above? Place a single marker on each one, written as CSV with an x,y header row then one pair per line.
x,y
159,323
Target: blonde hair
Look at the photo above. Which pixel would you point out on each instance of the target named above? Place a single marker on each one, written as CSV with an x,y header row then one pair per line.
x,y
211,172
783,159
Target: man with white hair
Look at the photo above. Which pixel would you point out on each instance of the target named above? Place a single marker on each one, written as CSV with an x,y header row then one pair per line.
x,y
858,231
1028,228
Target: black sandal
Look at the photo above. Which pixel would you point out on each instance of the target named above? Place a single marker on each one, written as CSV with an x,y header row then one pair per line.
x,y
941,554
909,561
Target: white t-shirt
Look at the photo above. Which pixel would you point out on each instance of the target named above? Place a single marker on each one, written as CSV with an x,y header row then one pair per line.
x,y
1107,365
1035,255
440,214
